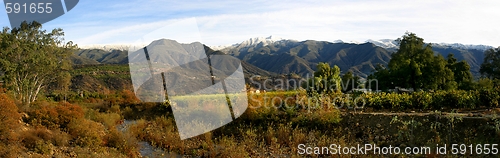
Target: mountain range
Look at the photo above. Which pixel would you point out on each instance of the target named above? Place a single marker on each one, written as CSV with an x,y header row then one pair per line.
x,y
291,56
269,56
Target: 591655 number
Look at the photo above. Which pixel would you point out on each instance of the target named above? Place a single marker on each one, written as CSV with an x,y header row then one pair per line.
x,y
474,149
28,8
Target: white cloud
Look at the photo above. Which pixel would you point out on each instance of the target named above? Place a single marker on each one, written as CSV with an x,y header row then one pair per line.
x,y
230,22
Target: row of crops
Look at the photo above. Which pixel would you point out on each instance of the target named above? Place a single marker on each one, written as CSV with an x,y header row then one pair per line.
x,y
424,100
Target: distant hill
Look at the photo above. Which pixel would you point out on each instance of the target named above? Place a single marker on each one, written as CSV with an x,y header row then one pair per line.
x,y
78,60
99,56
100,78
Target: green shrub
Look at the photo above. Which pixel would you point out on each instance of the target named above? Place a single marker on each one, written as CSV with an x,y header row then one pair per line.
x,y
422,100
455,99
433,100
124,142
86,133
42,140
388,100
110,120
489,98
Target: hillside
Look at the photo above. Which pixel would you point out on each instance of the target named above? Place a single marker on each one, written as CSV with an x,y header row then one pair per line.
x,y
100,78
99,56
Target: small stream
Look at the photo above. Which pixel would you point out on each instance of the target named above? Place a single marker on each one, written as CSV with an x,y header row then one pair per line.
x,y
146,149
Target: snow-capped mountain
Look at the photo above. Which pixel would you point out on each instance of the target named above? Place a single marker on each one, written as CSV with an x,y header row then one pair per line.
x,y
338,41
220,47
384,43
350,42
253,42
389,43
464,46
264,41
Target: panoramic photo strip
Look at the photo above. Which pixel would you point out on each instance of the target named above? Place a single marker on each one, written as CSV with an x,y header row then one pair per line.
x,y
162,78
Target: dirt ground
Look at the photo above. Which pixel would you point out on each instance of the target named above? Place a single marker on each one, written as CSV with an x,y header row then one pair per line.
x,y
417,129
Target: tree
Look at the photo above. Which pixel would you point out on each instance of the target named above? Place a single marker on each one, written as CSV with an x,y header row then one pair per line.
x,y
326,79
32,58
491,65
349,81
461,72
485,83
414,65
61,85
436,75
380,80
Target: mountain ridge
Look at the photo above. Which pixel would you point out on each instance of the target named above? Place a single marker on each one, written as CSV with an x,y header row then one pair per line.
x,y
360,58
384,43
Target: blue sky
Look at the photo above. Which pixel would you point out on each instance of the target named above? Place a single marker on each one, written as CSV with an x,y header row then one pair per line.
x,y
219,22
